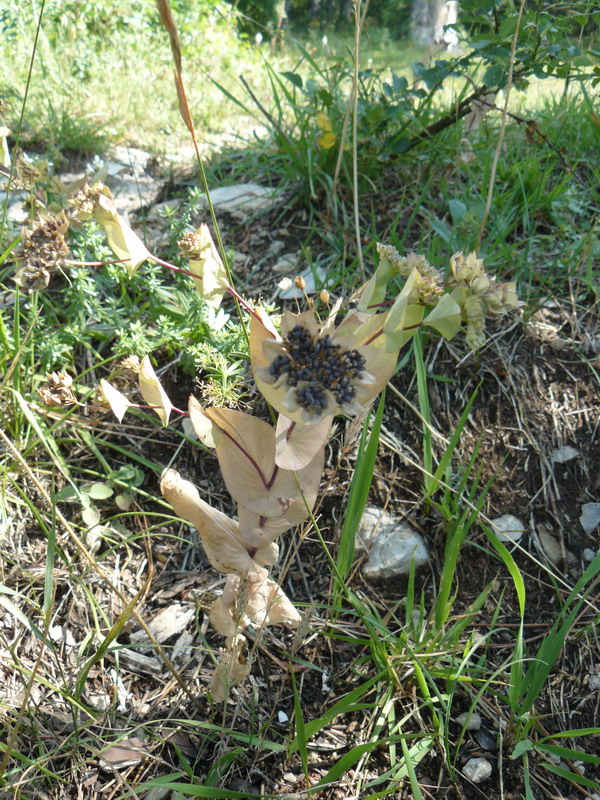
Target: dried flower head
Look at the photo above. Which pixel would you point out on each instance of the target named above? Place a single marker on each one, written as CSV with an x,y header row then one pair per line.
x,y
478,294
427,284
313,371
132,363
58,391
84,201
42,251
205,264
192,245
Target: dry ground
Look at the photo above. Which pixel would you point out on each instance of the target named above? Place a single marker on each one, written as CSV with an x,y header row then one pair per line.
x,y
538,392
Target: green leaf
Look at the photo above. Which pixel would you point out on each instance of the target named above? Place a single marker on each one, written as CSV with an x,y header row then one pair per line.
x,y
100,491
494,75
458,209
446,317
90,515
293,78
524,746
67,495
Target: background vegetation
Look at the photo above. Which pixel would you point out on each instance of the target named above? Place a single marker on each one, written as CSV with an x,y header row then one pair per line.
x,y
426,160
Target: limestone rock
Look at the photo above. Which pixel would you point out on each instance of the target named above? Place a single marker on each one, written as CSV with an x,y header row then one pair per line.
x,y
477,769
391,544
508,528
590,516
242,199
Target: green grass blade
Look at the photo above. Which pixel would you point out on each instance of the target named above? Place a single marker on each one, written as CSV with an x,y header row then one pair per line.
x,y
449,451
424,409
357,499
552,644
342,706
300,729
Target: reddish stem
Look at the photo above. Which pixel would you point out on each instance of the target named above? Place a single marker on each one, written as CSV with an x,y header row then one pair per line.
x,y
228,288
379,332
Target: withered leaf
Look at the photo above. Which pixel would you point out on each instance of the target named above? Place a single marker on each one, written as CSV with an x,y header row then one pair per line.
x,y
208,433
153,392
231,669
296,445
117,401
246,453
219,534
123,241
124,753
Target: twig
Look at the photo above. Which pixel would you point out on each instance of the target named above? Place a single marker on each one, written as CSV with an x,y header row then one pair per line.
x,y
492,180
359,22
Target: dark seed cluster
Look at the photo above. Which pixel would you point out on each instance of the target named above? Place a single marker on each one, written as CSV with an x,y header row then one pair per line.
x,y
319,365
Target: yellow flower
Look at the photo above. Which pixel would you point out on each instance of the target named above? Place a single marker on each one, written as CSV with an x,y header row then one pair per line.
x,y
327,139
312,371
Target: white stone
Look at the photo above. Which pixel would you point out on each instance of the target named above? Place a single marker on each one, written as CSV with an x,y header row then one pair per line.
x,y
286,263
241,199
563,454
589,554
131,194
310,284
391,543
590,516
17,212
594,682
60,634
508,528
473,721
477,770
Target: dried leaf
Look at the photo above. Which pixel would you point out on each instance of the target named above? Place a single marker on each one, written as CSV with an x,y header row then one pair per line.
x,y
259,603
246,453
206,264
296,445
219,534
222,619
167,19
153,392
268,605
208,433
125,753
257,531
231,669
124,243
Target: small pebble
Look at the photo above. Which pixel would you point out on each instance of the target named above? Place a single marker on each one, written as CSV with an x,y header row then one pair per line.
x,y
563,454
590,516
594,682
289,777
473,721
589,554
508,528
477,770
484,740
